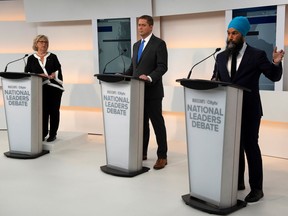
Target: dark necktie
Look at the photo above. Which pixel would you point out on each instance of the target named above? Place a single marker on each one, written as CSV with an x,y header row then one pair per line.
x,y
140,50
234,64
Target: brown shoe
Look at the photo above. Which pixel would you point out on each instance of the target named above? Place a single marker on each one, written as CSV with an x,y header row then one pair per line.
x,y
160,164
144,157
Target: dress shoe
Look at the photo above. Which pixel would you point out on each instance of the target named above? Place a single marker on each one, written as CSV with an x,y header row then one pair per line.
x,y
144,157
254,196
160,163
51,138
241,186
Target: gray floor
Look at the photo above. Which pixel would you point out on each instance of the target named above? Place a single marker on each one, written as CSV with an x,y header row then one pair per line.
x,y
68,181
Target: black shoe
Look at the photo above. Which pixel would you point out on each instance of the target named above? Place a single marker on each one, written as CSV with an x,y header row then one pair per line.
x,y
241,186
144,157
51,138
254,196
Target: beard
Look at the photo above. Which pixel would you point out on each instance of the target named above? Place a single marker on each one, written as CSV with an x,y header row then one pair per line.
x,y
236,46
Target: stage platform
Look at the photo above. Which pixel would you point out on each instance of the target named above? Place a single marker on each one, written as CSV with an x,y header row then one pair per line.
x,y
69,181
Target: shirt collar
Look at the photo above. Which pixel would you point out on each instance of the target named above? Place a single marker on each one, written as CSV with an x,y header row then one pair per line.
x,y
241,52
147,38
38,57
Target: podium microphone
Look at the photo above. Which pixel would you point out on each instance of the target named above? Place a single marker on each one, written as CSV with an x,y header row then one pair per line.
x,y
15,61
217,50
125,50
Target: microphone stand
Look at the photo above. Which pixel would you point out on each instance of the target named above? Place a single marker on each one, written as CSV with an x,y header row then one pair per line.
x,y
15,61
217,50
113,60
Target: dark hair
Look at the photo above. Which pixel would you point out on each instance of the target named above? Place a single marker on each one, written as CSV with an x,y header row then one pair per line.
x,y
148,18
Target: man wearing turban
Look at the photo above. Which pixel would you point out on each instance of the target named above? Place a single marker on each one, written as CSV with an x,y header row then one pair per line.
x,y
242,65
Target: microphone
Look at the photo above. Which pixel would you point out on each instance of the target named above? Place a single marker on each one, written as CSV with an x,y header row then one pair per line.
x,y
217,50
15,61
125,50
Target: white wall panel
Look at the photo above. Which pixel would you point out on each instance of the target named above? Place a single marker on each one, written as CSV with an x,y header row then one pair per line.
x,y
275,105
87,121
181,60
69,35
173,100
204,30
60,10
273,139
16,7
77,66
191,38
15,41
172,7
16,36
82,95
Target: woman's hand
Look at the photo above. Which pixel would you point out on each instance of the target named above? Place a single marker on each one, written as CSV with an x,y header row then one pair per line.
x,y
43,75
51,76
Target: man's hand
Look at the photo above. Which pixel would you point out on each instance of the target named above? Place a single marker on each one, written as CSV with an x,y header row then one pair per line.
x,y
144,77
278,55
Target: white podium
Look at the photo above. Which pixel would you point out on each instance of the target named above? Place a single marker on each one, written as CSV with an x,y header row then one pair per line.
x,y
213,124
22,94
123,106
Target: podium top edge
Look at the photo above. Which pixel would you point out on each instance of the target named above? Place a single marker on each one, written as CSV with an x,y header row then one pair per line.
x,y
17,75
115,77
201,84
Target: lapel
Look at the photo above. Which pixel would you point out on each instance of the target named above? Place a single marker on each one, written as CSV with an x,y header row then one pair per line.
x,y
243,63
147,47
223,66
245,59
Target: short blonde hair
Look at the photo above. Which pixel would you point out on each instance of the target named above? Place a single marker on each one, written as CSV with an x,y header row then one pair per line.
x,y
38,38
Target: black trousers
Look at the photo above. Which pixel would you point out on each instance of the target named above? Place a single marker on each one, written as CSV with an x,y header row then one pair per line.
x,y
249,145
153,112
51,110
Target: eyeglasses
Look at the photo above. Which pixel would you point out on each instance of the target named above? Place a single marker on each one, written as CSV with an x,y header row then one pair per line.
x,y
43,42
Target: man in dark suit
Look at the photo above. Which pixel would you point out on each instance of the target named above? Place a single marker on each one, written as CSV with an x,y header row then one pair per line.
x,y
245,72
149,62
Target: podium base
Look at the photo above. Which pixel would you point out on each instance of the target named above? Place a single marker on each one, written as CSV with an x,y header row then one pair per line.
x,y
209,208
25,156
116,172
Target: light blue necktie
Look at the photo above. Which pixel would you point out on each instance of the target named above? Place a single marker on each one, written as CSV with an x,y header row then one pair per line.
x,y
140,50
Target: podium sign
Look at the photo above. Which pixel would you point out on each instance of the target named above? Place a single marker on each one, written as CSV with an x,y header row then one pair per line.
x,y
123,107
213,123
23,109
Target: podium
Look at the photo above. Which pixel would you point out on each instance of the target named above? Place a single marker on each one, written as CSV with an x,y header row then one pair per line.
x,y
123,107
22,94
213,124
